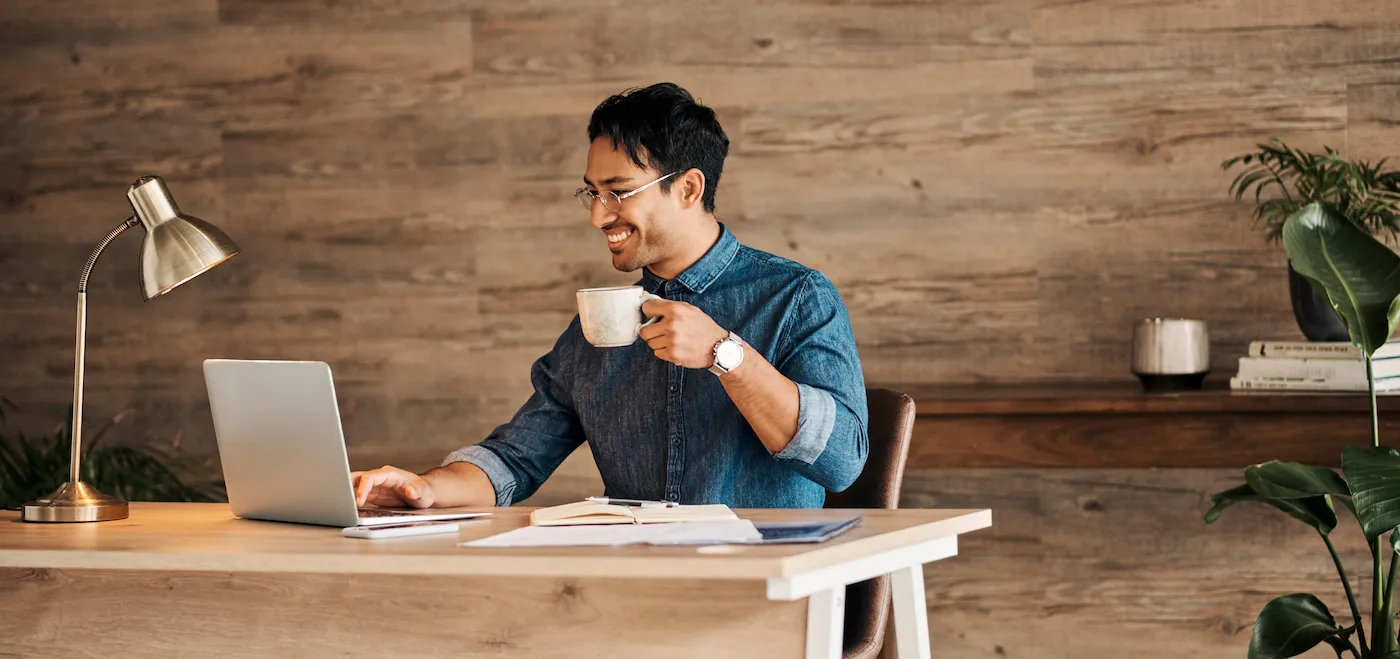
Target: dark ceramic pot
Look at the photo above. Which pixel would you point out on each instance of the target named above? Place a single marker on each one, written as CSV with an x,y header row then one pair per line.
x,y
1315,316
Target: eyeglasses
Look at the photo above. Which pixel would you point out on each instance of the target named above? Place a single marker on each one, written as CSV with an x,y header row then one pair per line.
x,y
611,200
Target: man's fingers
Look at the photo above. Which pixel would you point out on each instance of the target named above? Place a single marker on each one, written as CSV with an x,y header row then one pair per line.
x,y
662,308
389,486
415,492
368,482
362,487
655,329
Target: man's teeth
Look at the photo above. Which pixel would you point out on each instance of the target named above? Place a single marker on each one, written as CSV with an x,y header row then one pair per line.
x,y
617,238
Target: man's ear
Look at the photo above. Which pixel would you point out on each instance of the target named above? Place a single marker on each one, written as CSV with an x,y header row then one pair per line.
x,y
692,187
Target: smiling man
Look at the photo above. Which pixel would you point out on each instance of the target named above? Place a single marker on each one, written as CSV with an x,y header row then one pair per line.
x,y
748,391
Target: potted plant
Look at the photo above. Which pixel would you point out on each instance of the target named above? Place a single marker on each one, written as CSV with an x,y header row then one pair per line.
x,y
1365,195
31,467
1360,278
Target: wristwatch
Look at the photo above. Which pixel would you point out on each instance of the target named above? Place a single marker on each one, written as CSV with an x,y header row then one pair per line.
x,y
729,353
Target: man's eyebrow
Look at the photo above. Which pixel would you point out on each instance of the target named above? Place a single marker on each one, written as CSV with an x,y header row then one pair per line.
x,y
608,181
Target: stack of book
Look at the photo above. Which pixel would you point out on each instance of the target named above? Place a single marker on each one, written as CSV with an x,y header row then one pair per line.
x,y
1316,366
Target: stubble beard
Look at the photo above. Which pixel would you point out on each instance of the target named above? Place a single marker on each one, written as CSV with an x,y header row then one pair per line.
x,y
645,254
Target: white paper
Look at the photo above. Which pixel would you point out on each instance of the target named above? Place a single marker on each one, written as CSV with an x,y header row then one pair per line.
x,y
613,535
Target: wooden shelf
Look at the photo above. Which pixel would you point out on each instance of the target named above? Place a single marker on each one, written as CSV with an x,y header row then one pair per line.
x,y
1128,397
1117,426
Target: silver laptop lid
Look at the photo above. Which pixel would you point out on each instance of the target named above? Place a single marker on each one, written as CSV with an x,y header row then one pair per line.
x,y
280,441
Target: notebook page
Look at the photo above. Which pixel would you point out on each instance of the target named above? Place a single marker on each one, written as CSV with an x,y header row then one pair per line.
x,y
704,513
565,514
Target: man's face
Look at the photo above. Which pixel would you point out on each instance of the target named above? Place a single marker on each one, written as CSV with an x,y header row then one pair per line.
x,y
639,234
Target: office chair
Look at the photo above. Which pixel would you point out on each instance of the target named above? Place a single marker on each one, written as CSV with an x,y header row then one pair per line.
x,y
868,602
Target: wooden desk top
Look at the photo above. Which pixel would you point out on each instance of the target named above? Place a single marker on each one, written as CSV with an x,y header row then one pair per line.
x,y
206,537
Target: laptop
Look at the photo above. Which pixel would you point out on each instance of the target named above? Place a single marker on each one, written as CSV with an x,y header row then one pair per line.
x,y
282,449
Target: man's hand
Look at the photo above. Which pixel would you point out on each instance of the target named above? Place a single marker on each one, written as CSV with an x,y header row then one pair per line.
x,y
685,335
391,487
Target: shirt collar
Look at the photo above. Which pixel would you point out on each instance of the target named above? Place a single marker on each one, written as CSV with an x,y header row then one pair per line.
x,y
704,272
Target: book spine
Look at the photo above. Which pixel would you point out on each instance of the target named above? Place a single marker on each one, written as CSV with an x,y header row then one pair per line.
x,y
1294,385
1392,386
1340,370
1303,350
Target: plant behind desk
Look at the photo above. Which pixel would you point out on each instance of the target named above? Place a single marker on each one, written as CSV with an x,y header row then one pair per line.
x,y
32,466
1361,279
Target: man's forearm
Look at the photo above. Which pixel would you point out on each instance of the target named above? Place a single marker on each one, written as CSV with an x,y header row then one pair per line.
x,y
460,484
766,398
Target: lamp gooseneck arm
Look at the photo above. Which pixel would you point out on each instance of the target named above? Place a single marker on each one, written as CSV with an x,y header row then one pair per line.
x,y
81,348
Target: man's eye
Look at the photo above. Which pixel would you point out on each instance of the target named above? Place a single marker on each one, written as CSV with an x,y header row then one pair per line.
x,y
622,193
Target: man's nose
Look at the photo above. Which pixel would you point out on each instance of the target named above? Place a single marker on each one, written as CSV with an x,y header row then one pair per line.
x,y
600,214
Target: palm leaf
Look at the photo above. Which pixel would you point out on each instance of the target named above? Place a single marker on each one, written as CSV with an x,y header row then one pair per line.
x,y
1365,193
31,467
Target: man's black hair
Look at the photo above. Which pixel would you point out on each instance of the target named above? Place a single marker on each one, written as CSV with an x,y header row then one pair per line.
x,y
665,126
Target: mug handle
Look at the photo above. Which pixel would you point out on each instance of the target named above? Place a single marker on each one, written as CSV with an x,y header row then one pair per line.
x,y
647,297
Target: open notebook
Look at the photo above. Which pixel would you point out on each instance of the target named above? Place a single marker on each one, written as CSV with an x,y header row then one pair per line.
x,y
589,512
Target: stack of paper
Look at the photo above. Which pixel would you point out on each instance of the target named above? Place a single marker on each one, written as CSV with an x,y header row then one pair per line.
x,y
612,535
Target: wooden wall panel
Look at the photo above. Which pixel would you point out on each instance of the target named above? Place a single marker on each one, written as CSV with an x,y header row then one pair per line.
x,y
997,187
1109,42
1111,563
1373,123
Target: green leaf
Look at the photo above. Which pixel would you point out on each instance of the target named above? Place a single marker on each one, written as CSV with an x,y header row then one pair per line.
x,y
1291,625
1293,480
1392,316
1315,511
1358,274
1226,498
1374,476
31,466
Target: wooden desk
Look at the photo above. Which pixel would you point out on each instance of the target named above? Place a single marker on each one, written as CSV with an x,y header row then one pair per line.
x,y
185,579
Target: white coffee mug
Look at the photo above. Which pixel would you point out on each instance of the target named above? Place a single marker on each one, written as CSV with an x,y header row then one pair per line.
x,y
612,317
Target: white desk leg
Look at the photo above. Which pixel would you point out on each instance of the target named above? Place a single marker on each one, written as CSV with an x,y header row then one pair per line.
x,y
910,613
826,620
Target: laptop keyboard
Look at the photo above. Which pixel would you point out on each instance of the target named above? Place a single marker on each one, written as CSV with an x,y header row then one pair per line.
x,y
380,512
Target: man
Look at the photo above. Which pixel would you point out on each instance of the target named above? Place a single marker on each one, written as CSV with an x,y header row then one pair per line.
x,y
778,421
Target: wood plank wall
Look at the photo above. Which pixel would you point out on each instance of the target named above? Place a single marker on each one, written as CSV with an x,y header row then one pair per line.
x,y
998,188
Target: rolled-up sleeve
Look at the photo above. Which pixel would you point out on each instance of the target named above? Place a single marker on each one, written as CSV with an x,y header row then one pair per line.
x,y
519,455
818,353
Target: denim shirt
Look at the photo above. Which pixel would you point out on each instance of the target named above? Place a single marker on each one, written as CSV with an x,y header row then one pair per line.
x,y
662,431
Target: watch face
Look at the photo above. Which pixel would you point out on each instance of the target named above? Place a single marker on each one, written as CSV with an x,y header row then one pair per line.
x,y
729,354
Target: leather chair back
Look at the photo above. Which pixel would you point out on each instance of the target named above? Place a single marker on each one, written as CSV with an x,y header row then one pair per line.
x,y
891,427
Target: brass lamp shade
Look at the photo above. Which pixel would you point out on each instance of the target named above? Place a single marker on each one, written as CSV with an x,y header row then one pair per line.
x,y
177,247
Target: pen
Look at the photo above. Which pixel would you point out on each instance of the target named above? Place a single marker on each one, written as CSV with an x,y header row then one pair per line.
x,y
634,502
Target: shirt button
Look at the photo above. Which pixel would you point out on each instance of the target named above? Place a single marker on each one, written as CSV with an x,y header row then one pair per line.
x,y
673,388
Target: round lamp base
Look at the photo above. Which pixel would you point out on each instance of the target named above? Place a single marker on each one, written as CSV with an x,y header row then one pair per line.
x,y
75,502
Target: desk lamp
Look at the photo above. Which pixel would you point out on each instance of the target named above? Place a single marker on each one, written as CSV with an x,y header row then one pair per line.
x,y
176,249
